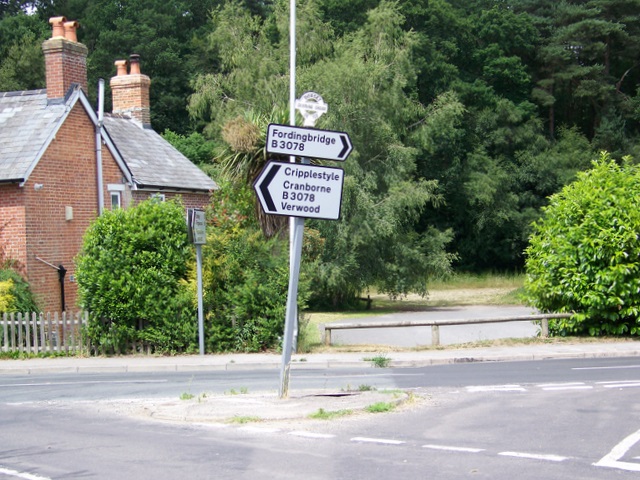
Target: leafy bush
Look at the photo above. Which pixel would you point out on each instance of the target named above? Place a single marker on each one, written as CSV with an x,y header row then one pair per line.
x,y
195,147
584,256
15,294
246,278
132,278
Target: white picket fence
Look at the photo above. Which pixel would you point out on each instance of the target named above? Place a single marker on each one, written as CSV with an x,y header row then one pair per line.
x,y
35,333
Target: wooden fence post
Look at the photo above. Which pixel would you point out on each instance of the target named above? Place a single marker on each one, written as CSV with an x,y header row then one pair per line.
x,y
544,326
5,331
435,335
20,333
13,331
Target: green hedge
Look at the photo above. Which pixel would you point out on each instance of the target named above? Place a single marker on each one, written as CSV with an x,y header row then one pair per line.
x,y
584,255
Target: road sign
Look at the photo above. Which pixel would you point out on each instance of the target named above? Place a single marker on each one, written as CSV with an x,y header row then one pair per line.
x,y
308,142
311,106
298,190
196,226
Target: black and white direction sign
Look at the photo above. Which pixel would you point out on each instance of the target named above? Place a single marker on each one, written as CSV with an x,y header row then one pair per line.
x,y
308,142
297,190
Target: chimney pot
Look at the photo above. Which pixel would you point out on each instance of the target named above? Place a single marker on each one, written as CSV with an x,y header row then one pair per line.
x,y
121,67
134,60
70,31
130,93
65,59
58,26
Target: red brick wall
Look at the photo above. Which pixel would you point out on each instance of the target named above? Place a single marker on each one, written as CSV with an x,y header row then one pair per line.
x,y
130,96
67,172
189,200
65,63
12,227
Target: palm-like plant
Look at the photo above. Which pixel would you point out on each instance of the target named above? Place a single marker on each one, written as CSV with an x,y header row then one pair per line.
x,y
245,156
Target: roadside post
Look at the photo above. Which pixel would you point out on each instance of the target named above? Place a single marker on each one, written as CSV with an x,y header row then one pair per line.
x,y
301,190
197,231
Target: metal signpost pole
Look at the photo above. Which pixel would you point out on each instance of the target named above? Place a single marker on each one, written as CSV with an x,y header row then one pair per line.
x,y
200,307
291,312
197,231
311,106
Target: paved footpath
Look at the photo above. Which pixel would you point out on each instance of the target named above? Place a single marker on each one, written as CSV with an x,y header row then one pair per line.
x,y
396,359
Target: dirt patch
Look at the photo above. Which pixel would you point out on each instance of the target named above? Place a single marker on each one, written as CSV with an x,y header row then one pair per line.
x,y
468,296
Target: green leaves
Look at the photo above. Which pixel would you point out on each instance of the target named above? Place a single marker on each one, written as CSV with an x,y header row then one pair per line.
x,y
15,295
584,256
245,277
132,278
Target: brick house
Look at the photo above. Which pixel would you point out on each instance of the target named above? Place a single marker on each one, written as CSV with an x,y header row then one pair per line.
x,y
60,167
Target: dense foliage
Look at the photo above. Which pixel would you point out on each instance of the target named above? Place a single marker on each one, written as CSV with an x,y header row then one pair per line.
x,y
132,277
245,278
15,294
585,254
465,114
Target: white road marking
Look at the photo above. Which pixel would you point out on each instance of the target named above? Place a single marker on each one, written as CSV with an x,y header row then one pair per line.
x,y
534,456
621,384
311,435
611,460
563,384
619,367
567,387
259,429
368,375
496,388
93,382
25,475
454,449
382,441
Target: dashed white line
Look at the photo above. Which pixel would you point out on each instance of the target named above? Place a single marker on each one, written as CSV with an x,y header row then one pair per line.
x,y
259,429
381,441
311,435
555,388
619,367
621,384
454,449
24,475
496,388
612,459
534,456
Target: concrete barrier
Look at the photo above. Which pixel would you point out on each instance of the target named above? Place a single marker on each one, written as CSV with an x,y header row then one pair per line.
x,y
436,324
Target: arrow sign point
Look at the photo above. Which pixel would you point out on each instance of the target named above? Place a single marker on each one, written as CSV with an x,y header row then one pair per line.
x,y
346,147
264,187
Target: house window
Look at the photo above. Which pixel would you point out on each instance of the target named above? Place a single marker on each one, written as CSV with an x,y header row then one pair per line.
x,y
116,191
159,197
116,200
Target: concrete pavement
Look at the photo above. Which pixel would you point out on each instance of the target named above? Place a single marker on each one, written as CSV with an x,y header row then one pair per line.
x,y
234,361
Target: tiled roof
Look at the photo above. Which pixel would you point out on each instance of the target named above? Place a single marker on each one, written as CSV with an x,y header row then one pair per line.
x,y
27,124
153,162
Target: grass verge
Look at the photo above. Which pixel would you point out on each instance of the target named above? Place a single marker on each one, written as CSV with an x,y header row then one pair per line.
x,y
323,414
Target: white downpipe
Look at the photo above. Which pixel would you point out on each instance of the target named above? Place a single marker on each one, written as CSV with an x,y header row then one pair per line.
x,y
100,181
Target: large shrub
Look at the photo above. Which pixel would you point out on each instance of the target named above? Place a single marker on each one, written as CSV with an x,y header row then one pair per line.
x,y
246,277
132,278
15,294
584,255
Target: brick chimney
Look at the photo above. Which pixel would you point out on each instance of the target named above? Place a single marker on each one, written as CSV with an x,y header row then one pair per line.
x,y
130,92
65,58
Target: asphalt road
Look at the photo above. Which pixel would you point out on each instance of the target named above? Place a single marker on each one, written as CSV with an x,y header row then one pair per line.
x,y
561,419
